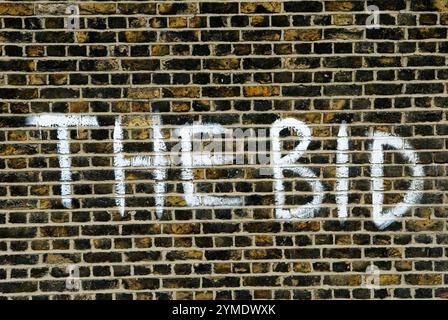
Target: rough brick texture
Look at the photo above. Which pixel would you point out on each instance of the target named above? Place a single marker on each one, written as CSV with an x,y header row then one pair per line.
x,y
240,64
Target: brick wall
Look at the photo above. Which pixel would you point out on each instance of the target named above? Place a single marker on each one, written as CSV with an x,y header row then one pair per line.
x,y
92,105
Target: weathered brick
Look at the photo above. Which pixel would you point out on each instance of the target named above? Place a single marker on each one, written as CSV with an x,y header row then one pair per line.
x,y
16,287
343,280
160,66
16,9
98,257
342,253
260,7
141,284
17,232
303,35
423,279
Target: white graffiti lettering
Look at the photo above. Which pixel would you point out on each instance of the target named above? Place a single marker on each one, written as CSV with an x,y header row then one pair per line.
x,y
194,155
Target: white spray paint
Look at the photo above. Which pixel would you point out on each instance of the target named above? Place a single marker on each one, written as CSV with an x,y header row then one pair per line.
x,y
373,21
73,20
63,122
160,163
65,164
120,163
384,219
342,172
286,163
190,159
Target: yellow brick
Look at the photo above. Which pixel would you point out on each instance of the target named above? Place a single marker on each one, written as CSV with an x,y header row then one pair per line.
x,y
424,279
261,7
97,8
184,92
120,106
441,5
208,295
160,50
17,163
261,91
197,22
343,239
168,8
178,22
58,79
180,228
16,9
310,117
17,136
338,5
260,267
82,36
321,132
35,51
339,104
143,93
258,20
294,63
424,225
184,295
57,259
343,19
303,35
181,107
444,17
303,267
79,106
135,36
223,64
194,254
140,106
390,279
264,240
223,267
343,280
40,190
262,294
144,296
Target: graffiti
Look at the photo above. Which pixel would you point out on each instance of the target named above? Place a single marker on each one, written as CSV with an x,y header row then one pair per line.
x,y
190,159
413,196
120,162
159,162
186,154
342,173
285,163
63,122
371,279
373,21
73,281
73,20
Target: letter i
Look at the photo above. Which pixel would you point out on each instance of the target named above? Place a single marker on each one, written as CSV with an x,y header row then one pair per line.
x,y
159,162
342,173
119,164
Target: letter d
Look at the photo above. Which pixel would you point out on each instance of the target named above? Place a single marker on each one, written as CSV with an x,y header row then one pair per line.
x,y
384,219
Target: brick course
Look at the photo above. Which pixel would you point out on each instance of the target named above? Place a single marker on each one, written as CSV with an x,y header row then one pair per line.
x,y
243,65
